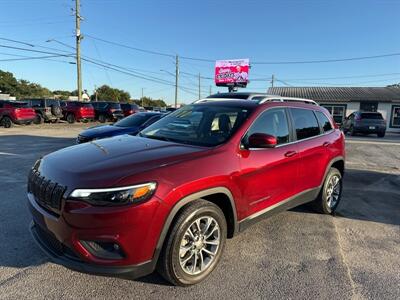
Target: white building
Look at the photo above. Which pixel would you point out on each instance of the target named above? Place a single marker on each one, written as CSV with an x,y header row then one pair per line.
x,y
342,101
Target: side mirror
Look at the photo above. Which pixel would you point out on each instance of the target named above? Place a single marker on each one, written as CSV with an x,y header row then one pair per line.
x,y
262,140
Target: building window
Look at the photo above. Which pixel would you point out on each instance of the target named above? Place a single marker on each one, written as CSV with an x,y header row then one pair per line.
x,y
395,117
337,111
369,106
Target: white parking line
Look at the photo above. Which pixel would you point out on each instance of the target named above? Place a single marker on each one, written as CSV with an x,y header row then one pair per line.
x,y
9,154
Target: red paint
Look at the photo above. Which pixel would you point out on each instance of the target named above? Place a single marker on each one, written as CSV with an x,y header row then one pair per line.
x,y
256,179
17,113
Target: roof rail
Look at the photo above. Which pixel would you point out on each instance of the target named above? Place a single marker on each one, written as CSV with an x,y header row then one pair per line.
x,y
288,99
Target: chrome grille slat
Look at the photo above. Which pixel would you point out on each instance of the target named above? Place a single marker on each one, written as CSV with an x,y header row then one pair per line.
x,y
47,193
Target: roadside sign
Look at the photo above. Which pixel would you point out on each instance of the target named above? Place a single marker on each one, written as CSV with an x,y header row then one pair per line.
x,y
233,72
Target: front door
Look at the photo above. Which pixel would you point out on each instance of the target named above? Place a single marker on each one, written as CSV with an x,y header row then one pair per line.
x,y
269,176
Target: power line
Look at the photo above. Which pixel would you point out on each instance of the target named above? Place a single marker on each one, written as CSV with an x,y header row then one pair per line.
x,y
31,58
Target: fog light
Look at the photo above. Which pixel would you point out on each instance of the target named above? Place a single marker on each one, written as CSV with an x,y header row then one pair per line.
x,y
105,250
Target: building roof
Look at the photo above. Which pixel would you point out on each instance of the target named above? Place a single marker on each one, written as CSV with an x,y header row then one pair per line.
x,y
339,94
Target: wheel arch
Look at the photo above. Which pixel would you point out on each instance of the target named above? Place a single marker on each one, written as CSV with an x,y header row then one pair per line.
x,y
220,196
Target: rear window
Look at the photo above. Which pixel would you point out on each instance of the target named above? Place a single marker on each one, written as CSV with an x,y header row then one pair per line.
x,y
373,116
323,121
305,123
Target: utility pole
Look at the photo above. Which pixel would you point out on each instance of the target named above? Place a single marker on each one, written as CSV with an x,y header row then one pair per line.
x,y
272,80
176,79
142,97
199,86
210,90
78,48
95,92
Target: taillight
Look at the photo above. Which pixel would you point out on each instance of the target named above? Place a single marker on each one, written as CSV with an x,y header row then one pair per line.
x,y
111,110
131,111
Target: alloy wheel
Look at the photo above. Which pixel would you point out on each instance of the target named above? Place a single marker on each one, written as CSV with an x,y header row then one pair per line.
x,y
199,245
333,191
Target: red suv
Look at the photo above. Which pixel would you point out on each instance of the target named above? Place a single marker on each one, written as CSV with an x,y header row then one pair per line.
x,y
15,112
77,111
170,197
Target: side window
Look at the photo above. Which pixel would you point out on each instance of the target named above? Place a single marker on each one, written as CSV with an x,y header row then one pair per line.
x,y
272,122
323,121
305,123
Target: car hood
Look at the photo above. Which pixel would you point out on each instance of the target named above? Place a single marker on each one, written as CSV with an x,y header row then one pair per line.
x,y
103,163
107,130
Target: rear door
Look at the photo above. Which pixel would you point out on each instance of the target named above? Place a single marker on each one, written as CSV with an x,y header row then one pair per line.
x,y
312,147
269,176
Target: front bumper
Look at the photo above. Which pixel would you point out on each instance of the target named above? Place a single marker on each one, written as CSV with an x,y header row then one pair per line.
x,y
62,237
69,260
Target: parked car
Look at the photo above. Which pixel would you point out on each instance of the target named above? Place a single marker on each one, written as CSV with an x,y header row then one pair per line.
x,y
171,109
107,111
365,122
47,110
129,125
169,197
129,109
77,111
15,112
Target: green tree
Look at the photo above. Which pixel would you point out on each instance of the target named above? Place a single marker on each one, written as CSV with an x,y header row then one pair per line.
x,y
147,101
107,93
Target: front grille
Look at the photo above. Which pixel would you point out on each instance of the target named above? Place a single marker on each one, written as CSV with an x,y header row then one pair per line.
x,y
47,193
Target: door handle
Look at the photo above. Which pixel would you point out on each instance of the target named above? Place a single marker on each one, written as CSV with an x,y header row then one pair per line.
x,y
326,144
290,153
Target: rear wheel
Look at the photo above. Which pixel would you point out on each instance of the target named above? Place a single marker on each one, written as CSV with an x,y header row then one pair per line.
x,y
6,122
194,245
102,119
381,134
38,119
71,119
331,193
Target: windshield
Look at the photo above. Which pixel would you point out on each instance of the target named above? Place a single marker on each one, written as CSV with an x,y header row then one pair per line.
x,y
198,125
134,120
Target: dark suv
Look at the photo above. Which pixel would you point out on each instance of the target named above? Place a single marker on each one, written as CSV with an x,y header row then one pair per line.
x,y
365,122
47,110
170,197
15,112
107,111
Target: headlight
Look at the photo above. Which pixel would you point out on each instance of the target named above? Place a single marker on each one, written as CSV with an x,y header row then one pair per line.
x,y
115,196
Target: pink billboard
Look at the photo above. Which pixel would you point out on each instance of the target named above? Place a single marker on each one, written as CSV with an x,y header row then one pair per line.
x,y
232,72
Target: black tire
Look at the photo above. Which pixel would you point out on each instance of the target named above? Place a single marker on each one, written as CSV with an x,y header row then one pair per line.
x,y
38,119
381,134
322,204
169,262
6,122
102,118
71,118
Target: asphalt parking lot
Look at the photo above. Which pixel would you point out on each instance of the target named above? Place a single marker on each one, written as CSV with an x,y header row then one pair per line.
x,y
297,254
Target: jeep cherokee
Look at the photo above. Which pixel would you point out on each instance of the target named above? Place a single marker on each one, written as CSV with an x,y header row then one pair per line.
x,y
168,198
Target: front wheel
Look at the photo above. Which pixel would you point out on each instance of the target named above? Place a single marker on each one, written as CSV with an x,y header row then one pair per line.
x,y
381,134
194,244
331,193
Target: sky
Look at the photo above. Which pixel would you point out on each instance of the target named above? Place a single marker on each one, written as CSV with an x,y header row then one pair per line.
x,y
263,31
